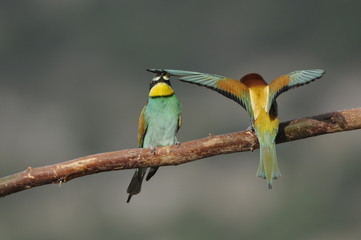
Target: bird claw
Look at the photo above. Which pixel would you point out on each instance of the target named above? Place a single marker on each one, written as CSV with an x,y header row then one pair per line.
x,y
152,150
177,144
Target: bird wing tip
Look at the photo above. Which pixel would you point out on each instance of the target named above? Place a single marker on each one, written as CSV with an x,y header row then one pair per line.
x,y
153,70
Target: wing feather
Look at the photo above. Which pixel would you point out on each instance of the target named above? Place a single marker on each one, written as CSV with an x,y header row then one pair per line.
x,y
142,128
179,121
230,88
292,80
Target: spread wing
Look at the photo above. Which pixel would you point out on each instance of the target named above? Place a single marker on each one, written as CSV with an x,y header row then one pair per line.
x,y
228,87
142,128
292,80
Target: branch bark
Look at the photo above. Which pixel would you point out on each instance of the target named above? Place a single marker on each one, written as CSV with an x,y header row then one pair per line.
x,y
333,122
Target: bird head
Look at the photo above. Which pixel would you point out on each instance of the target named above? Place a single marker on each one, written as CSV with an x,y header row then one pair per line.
x,y
253,79
160,76
160,85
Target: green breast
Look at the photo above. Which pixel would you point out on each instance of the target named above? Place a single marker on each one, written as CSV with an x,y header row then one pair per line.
x,y
162,116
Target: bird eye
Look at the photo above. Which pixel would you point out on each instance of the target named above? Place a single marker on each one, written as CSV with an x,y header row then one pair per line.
x,y
156,78
166,77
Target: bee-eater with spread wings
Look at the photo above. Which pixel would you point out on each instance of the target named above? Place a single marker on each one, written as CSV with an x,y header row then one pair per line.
x,y
158,125
259,99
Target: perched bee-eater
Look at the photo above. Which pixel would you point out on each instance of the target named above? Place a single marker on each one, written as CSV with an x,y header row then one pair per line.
x,y
158,124
259,99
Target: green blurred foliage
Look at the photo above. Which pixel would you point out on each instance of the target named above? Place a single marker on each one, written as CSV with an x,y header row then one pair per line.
x,y
73,83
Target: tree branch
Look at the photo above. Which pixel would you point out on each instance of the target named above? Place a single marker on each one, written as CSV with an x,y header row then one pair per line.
x,y
333,122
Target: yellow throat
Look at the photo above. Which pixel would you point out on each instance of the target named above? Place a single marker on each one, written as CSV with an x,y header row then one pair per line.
x,y
161,90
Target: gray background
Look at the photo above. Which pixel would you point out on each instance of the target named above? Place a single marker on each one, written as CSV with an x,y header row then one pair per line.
x,y
73,82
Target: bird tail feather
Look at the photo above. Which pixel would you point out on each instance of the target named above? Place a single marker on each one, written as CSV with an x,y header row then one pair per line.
x,y
136,183
151,173
268,167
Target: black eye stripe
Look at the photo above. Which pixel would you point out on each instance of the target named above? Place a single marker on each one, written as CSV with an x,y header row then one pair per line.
x,y
153,83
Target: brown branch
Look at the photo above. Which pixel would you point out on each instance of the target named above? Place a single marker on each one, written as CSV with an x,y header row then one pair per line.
x,y
339,121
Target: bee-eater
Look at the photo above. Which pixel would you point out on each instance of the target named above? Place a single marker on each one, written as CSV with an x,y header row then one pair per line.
x,y
259,99
158,125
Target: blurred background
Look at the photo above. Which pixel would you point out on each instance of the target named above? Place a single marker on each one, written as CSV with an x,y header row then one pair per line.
x,y
73,82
